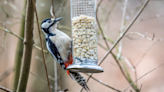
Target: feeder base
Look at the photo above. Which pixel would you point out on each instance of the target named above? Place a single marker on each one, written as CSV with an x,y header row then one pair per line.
x,y
85,68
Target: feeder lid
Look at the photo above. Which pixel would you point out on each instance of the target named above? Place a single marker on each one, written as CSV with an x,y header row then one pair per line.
x,y
85,68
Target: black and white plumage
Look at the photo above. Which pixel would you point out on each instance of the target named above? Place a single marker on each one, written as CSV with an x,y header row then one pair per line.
x,y
59,45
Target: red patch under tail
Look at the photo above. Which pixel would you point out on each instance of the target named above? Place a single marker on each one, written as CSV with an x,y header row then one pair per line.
x,y
69,62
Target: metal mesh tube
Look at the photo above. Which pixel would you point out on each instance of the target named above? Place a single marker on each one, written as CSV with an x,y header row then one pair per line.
x,y
84,30
83,7
84,36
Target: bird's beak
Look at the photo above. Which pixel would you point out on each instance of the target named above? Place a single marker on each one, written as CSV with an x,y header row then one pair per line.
x,y
56,20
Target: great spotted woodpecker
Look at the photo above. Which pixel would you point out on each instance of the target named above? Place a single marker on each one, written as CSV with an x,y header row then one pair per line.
x,y
59,45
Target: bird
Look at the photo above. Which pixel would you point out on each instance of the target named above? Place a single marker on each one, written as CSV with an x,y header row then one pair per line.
x,y
59,44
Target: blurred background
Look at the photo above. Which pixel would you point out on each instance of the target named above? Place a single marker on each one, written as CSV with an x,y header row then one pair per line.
x,y
140,50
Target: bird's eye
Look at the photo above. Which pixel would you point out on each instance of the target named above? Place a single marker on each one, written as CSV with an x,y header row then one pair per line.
x,y
49,21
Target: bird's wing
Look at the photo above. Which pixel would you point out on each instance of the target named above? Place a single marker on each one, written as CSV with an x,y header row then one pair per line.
x,y
54,52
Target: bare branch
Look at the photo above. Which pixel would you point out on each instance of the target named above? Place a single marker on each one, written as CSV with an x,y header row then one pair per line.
x,y
8,31
55,75
100,25
52,10
4,41
5,89
8,15
129,26
14,7
103,83
128,63
41,45
102,46
148,49
114,56
140,87
122,28
153,17
64,90
64,1
34,45
27,52
139,61
111,9
142,35
131,66
19,49
41,79
119,55
64,27
6,73
144,75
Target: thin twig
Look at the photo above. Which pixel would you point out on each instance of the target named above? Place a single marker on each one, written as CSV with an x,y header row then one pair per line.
x,y
122,28
148,49
41,45
128,63
139,61
144,75
37,47
109,39
135,75
100,25
142,35
60,75
140,88
105,38
153,17
129,26
119,55
128,76
19,49
114,56
34,45
6,73
8,31
55,75
4,41
64,90
60,5
102,46
5,89
103,83
61,27
110,11
41,79
52,12
8,15
14,7
131,66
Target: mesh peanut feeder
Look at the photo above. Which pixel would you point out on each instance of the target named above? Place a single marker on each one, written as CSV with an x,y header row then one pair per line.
x,y
84,37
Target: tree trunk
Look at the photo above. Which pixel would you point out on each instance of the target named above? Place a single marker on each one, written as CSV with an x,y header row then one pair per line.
x,y
19,51
28,44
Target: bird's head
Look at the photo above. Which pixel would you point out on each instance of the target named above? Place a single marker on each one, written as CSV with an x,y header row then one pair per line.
x,y
49,25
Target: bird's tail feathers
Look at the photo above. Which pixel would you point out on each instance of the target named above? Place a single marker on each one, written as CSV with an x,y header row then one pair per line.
x,y
79,79
70,75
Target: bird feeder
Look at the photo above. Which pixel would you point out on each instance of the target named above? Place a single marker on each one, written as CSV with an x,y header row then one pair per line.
x,y
84,37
